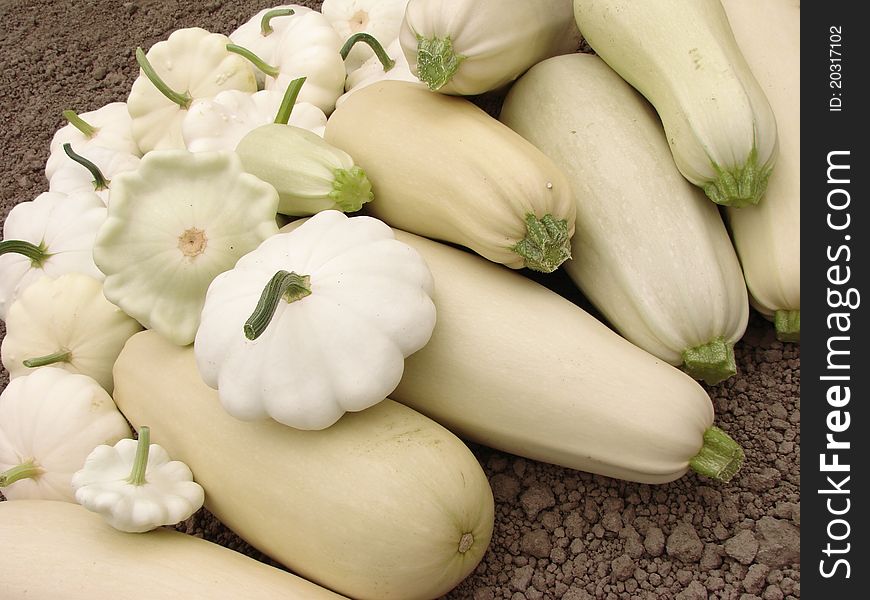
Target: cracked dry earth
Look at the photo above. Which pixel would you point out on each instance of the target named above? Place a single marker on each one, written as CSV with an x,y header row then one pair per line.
x,y
558,533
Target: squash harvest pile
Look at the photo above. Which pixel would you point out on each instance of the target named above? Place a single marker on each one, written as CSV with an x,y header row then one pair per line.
x,y
286,280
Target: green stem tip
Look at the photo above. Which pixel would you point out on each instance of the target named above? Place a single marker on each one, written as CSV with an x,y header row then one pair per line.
x,y
712,362
289,101
37,254
788,325
284,285
26,470
76,121
100,182
437,63
351,189
258,62
266,21
49,359
546,245
386,62
740,186
719,458
183,100
140,461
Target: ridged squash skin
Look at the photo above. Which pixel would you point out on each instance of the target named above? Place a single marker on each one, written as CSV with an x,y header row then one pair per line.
x,y
650,251
681,55
384,504
61,550
768,236
443,168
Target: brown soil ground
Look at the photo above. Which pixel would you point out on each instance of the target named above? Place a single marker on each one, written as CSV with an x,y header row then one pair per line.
x,y
559,533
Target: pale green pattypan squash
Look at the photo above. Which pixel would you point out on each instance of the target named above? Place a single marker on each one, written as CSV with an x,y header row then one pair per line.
x,y
50,235
173,225
192,63
135,486
91,172
301,44
381,19
315,322
50,420
108,127
66,322
388,63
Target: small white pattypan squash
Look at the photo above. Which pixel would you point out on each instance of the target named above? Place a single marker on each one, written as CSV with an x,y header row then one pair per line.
x,y
173,224
191,63
220,122
91,172
50,235
135,486
301,44
389,63
380,18
50,420
315,322
109,127
66,322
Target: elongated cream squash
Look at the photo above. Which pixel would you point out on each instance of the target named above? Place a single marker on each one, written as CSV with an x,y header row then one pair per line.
x,y
650,251
383,504
682,56
768,236
443,168
61,550
514,366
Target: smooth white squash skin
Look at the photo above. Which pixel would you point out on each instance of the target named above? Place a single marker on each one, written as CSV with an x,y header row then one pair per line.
x,y
650,250
61,550
682,56
498,39
514,366
767,236
375,506
443,168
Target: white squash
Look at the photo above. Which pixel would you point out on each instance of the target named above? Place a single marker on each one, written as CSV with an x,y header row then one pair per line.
x,y
385,504
650,251
682,56
768,237
63,551
379,18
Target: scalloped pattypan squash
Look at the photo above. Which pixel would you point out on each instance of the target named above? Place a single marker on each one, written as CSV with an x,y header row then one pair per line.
x,y
191,63
380,18
315,322
91,172
50,420
173,225
387,63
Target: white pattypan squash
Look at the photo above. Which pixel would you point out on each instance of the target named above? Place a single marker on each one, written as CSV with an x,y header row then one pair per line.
x,y
66,322
219,123
260,34
91,171
380,18
373,70
50,235
50,420
173,225
191,63
315,322
109,127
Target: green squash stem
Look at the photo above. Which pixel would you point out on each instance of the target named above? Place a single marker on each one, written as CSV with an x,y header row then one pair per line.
x,y
140,461
258,62
719,458
437,63
788,325
266,21
546,245
61,356
76,121
37,254
26,470
289,101
181,99
387,62
100,182
712,362
284,285
351,189
739,186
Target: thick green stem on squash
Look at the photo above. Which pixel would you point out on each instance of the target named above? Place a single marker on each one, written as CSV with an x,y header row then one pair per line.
x,y
386,62
181,99
351,189
49,359
740,186
546,245
266,21
100,182
437,63
719,458
713,362
258,62
76,121
140,461
289,101
26,470
37,254
284,285
788,325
